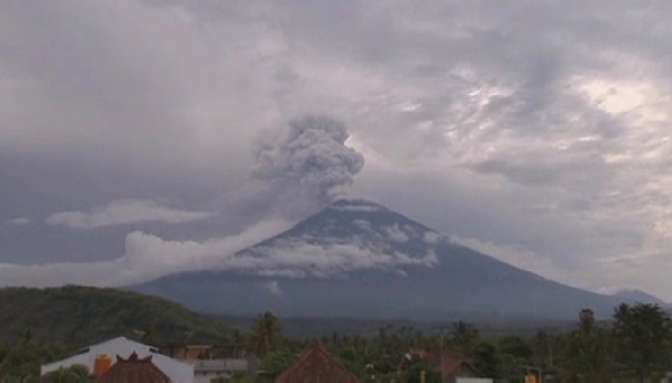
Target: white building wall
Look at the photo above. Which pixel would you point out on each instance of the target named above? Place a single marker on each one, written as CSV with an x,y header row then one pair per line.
x,y
177,371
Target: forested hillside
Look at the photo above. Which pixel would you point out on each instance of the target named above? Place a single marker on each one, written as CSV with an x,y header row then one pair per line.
x,y
75,316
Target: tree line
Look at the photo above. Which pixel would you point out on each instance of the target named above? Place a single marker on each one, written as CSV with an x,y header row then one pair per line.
x,y
635,345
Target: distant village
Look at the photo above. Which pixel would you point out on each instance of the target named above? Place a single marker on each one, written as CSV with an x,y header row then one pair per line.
x,y
121,360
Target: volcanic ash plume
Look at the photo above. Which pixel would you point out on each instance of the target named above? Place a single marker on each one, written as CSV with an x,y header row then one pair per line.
x,y
312,157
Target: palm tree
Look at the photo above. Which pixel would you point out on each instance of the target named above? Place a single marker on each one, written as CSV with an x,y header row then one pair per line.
x,y
267,334
464,337
588,352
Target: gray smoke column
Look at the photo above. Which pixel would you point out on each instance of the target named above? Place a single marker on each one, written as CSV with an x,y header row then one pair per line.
x,y
312,161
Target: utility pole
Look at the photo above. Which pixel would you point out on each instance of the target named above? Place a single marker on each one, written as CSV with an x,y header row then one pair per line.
x,y
443,351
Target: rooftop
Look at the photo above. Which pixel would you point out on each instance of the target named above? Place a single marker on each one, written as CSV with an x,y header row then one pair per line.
x,y
134,370
317,365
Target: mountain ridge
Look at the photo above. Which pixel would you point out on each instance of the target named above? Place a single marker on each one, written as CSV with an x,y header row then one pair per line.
x,y
638,295
359,258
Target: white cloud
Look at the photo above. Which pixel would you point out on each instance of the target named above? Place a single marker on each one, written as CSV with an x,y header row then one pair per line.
x,y
18,221
395,233
363,224
298,258
125,212
146,257
357,208
431,237
273,287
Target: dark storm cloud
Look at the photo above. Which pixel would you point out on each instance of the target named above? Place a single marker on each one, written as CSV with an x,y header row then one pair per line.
x,y
537,130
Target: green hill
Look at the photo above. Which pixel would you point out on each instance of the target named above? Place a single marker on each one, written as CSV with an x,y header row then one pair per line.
x,y
74,316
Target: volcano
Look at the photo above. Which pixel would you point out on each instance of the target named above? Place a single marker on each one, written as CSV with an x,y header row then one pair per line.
x,y
359,259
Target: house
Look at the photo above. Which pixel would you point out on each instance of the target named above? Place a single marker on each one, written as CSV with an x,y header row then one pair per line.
x,y
208,366
101,357
134,370
193,352
453,367
316,365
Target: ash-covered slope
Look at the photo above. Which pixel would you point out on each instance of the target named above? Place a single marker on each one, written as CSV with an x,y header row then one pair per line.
x,y
359,259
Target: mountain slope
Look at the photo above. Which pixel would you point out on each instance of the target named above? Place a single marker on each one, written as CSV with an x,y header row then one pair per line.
x,y
78,316
360,259
637,296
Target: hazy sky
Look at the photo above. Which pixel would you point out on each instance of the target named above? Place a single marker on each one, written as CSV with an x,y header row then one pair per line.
x,y
139,138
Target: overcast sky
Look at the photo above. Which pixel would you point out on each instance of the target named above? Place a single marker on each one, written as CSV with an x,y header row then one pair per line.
x,y
133,132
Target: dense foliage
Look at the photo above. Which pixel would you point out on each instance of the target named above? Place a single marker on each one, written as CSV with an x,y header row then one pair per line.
x,y
75,316
635,346
38,326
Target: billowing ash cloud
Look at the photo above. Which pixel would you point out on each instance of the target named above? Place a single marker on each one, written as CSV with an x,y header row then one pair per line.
x,y
312,160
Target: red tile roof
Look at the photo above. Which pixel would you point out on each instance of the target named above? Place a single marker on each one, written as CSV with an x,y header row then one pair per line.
x,y
316,365
134,370
451,365
448,363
